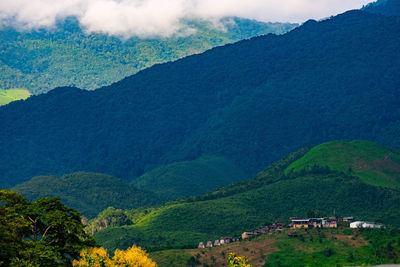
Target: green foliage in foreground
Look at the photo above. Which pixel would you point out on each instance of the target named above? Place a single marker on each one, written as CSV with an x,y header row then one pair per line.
x,y
89,193
42,60
189,178
372,163
39,233
7,96
312,248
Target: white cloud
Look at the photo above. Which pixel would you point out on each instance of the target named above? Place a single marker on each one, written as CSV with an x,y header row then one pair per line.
x,y
147,18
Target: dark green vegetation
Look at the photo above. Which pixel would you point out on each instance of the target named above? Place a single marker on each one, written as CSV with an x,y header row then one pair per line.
x,y
41,60
89,193
7,96
384,7
372,163
271,196
329,248
40,233
251,102
189,178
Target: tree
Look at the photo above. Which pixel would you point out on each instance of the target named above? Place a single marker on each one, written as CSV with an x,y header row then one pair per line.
x,y
133,256
43,232
236,261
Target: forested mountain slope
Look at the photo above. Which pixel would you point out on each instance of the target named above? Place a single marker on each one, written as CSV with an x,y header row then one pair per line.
x,y
40,60
251,102
190,178
89,193
384,7
269,197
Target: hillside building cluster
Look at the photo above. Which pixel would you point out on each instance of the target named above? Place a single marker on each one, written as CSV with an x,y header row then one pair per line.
x,y
263,230
296,223
228,240
331,222
219,242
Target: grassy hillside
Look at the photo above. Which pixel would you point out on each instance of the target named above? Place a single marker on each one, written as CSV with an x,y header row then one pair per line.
x,y
190,178
280,196
327,247
42,60
7,96
372,163
89,193
251,102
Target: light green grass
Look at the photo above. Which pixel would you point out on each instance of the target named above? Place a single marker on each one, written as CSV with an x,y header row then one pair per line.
x,y
7,96
363,159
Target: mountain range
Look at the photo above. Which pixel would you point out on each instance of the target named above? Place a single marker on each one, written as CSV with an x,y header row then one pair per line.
x,y
250,102
40,60
177,153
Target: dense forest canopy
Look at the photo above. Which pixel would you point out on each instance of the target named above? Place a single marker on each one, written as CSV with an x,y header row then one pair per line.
x,y
251,102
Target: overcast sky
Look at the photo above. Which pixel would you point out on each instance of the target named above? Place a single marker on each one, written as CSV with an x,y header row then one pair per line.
x,y
146,18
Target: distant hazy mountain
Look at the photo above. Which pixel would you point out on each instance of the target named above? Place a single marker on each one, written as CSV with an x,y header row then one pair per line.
x,y
41,60
384,7
250,102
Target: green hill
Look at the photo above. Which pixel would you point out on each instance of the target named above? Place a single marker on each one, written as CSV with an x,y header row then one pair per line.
x,y
7,96
89,193
372,163
252,102
313,248
269,197
66,56
190,178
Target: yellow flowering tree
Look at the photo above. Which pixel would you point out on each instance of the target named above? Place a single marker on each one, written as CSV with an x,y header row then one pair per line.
x,y
133,257
98,257
236,261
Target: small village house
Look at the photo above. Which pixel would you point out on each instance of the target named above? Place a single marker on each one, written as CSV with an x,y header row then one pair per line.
x,y
201,245
331,222
300,223
246,235
217,243
225,240
209,244
348,219
362,224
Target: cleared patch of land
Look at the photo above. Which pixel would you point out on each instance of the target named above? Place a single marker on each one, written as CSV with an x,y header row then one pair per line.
x,y
372,163
7,96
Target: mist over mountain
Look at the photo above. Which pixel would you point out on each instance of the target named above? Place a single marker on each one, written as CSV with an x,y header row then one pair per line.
x,y
251,102
42,59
